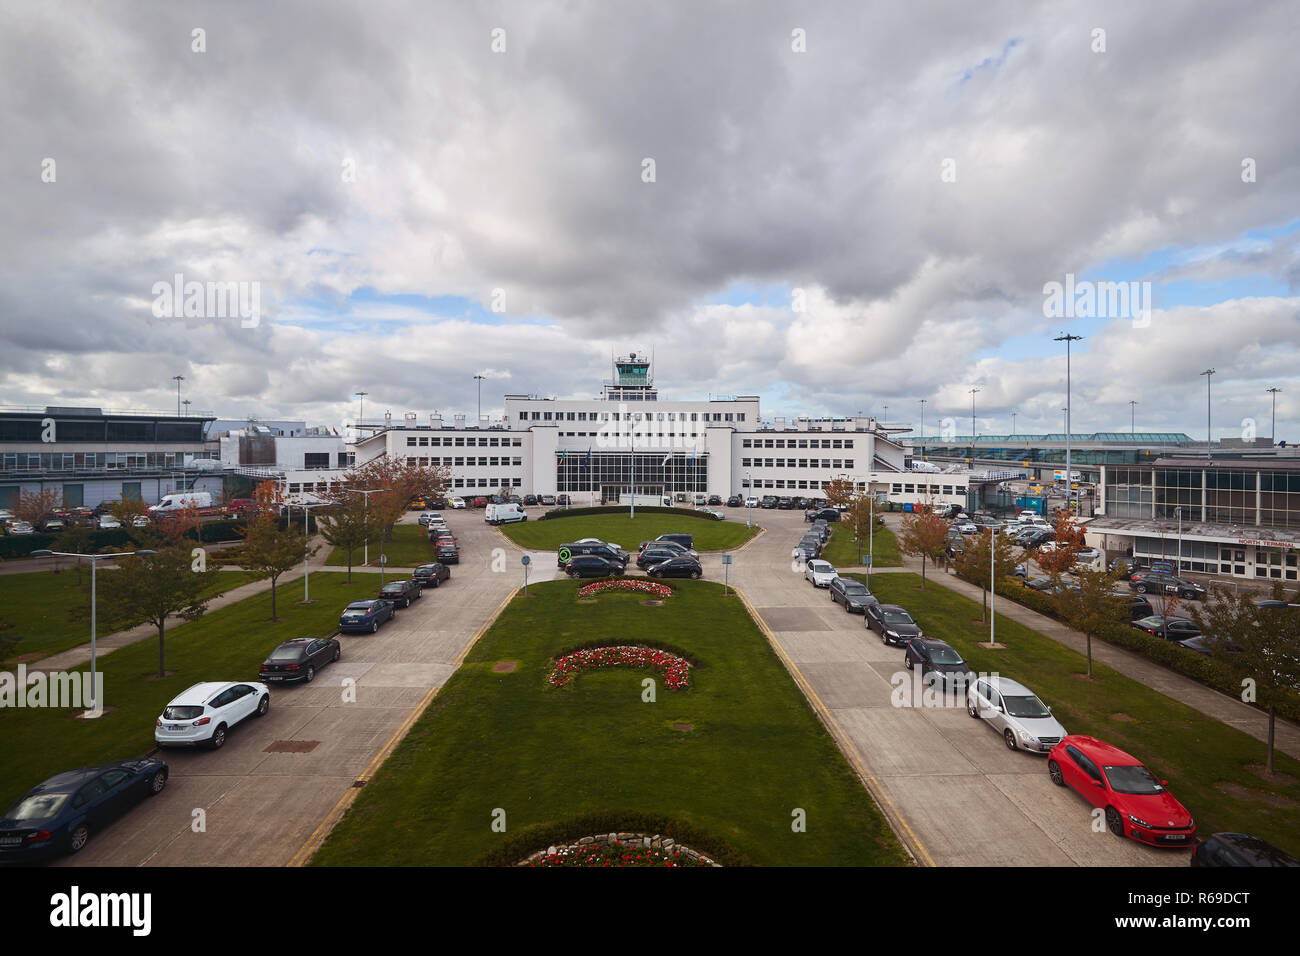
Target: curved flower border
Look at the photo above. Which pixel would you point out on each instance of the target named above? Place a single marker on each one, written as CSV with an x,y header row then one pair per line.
x,y
625,584
676,671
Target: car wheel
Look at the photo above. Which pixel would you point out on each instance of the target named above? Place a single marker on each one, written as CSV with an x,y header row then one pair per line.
x,y
1010,738
1142,589
374,626
157,782
972,710
697,574
263,705
1114,822
436,582
337,652
78,837
218,737
311,674
1054,771
907,662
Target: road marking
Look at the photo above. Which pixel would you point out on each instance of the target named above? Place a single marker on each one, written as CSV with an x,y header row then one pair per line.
x,y
308,849
911,842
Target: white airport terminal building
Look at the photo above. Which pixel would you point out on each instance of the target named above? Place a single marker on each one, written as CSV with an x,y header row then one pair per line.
x,y
627,440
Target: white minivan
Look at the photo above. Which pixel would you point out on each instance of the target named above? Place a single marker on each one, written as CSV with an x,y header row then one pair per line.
x,y
183,500
504,514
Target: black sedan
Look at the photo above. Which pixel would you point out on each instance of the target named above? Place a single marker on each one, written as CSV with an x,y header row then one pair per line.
x,y
431,575
59,815
365,615
592,566
1170,628
1239,849
735,501
653,556
853,594
827,514
299,659
938,658
894,624
401,592
1206,646
680,567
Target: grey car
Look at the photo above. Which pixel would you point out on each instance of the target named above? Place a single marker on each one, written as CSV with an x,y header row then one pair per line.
x,y
1012,709
894,624
853,594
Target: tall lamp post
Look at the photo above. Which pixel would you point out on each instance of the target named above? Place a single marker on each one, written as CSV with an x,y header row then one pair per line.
x,y
361,415
368,493
178,379
1067,338
94,560
974,389
749,514
1132,417
306,564
1272,432
1178,512
479,379
1209,374
923,427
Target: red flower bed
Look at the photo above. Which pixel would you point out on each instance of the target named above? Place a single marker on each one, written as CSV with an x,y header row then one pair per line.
x,y
626,584
616,854
676,671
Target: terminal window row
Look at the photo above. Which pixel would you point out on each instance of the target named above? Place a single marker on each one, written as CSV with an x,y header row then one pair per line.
x,y
448,441
796,462
802,443
632,416
487,483
780,483
914,489
464,462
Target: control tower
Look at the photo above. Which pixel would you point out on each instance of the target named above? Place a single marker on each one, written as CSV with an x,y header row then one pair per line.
x,y
633,380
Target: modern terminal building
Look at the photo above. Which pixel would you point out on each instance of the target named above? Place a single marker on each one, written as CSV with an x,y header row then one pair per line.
x,y
627,440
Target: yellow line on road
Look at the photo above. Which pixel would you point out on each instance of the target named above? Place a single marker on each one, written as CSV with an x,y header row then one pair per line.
x,y
895,817
318,836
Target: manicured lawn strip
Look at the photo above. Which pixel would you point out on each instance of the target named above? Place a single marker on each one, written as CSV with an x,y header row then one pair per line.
x,y
227,644
842,551
51,613
1194,752
409,548
627,532
540,753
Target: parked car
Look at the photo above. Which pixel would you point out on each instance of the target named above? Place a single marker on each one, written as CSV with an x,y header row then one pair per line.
x,y
769,501
1137,804
685,540
401,593
894,624
428,517
108,523
940,659
1146,582
1012,709
431,575
530,500
826,514
562,501
52,525
60,814
601,549
735,501
498,514
1203,644
751,502
1238,849
820,573
853,594
1170,628
366,615
456,503
679,567
592,566
548,500
1140,608
446,551
202,714
656,555
299,659
479,502
19,527
714,501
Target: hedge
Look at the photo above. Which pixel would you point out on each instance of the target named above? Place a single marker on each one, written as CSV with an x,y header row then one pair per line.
x,y
1199,667
528,840
622,509
118,539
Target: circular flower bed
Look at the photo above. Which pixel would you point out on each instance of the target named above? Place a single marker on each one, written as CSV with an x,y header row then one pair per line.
x,y
629,585
617,853
675,670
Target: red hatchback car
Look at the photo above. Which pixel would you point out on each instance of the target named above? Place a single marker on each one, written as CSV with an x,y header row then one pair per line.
x,y
1137,805
479,502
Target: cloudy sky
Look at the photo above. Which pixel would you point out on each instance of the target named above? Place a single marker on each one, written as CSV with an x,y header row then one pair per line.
x,y
837,206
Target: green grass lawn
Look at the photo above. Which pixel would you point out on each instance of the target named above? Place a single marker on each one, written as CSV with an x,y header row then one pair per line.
x,y
842,551
544,754
1197,754
227,644
628,533
50,612
409,548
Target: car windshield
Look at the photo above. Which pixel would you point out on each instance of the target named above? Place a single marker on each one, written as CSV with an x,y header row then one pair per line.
x,y
42,806
182,712
897,617
945,655
1133,779
291,653
393,588
1028,707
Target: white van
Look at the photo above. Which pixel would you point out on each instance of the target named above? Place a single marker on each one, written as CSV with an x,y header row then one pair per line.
x,y
504,514
183,500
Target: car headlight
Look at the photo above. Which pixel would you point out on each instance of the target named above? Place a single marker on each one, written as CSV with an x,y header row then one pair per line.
x,y
1139,822
892,633
1027,737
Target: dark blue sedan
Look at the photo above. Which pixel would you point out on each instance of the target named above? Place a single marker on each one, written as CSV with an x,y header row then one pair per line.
x,y
59,815
366,615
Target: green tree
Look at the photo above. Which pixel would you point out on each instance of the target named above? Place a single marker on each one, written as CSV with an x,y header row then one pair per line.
x,y
150,588
75,538
925,536
1259,645
271,548
346,523
1093,608
973,562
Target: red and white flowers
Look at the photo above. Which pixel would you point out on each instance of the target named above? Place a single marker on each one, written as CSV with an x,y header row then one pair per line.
x,y
676,671
626,584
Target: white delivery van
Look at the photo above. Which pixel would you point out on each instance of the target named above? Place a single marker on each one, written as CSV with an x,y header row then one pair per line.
x,y
504,514
182,500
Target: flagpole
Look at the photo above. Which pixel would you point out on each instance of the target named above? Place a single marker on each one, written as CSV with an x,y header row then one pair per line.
x,y
632,433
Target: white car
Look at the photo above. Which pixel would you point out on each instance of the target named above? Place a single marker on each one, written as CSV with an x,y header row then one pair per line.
x,y
820,573
1024,721
427,516
751,502
456,503
20,527
203,714
966,527
107,522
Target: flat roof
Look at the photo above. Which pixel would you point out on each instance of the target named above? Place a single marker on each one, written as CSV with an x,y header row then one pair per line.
x,y
1149,527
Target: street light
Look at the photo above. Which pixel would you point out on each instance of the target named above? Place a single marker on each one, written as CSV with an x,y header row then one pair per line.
x,y
1013,423
1209,374
749,514
178,379
368,493
1272,433
923,427
1178,512
1069,472
93,559
1132,417
974,389
479,380
306,564
361,415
